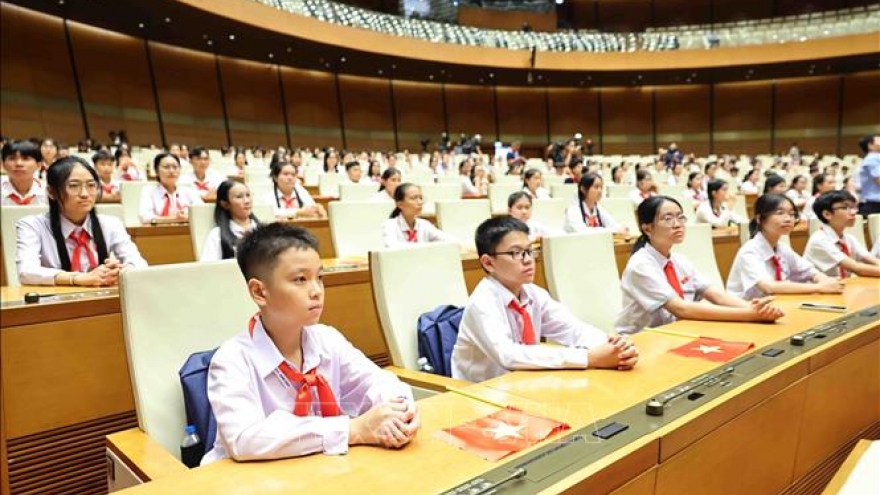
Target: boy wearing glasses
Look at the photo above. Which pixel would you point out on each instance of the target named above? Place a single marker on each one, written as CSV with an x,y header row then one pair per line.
x,y
507,314
830,248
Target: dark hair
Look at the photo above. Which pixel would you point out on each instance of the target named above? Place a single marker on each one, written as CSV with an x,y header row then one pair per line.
x,y
351,165
691,177
708,166
492,231
647,213
642,175
865,142
772,181
586,182
120,152
826,201
750,173
56,177
795,179
513,198
242,153
387,174
196,152
326,157
529,174
614,172
714,186
399,194
26,149
764,206
158,159
258,250
370,168
817,182
100,156
274,172
222,219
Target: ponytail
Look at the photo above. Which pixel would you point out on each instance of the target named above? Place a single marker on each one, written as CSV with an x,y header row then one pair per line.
x,y
395,212
753,227
641,242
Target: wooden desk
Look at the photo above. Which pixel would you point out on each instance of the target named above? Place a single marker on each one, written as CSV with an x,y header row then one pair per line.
x,y
759,438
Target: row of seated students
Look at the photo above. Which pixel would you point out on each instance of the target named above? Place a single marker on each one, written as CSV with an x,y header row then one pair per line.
x,y
283,346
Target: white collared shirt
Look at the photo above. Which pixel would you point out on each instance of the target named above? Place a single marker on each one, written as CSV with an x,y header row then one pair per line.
x,y
382,197
212,181
577,218
754,263
153,201
132,173
395,232
111,188
277,199
536,230
721,218
646,289
36,191
824,252
540,193
748,187
211,250
809,214
490,334
636,196
467,186
37,257
254,407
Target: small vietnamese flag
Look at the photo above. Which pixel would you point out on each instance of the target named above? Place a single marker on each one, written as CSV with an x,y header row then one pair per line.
x,y
501,433
716,350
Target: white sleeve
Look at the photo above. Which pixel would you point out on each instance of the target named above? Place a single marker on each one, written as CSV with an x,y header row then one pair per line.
x,y
389,233
821,253
801,270
28,257
645,285
559,325
211,250
436,235
748,269
608,221
574,220
304,195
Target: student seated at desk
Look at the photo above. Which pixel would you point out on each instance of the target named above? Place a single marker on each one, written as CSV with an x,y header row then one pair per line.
x,y
126,168
165,201
21,160
715,210
233,217
587,213
519,206
660,286
765,265
404,225
532,184
830,248
290,198
104,165
72,245
507,315
388,182
204,179
252,376
645,188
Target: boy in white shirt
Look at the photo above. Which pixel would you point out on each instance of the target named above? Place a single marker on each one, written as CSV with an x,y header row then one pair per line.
x,y
507,315
21,160
830,248
251,376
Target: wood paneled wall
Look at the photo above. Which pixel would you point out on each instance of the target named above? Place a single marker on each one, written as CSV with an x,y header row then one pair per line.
x,y
70,81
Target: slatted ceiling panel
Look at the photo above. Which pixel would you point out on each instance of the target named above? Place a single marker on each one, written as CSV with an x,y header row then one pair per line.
x,y
815,481
64,460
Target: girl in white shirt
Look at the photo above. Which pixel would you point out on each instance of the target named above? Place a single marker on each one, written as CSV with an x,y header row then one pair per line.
x,y
587,213
72,245
164,201
660,286
750,182
532,184
480,179
822,183
404,225
233,217
519,206
290,198
715,211
645,187
464,171
388,183
798,192
764,265
128,170
695,188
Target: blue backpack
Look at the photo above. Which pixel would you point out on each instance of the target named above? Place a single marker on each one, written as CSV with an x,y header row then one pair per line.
x,y
437,331
194,382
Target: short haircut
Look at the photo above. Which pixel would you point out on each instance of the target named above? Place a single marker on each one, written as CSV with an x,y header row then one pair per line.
x,y
826,201
259,249
491,232
518,195
865,142
26,149
351,165
101,156
196,152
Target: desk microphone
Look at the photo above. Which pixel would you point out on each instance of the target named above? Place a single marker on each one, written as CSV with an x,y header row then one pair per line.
x,y
34,297
656,407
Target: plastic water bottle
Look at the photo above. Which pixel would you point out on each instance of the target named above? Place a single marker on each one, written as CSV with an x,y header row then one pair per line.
x,y
191,449
424,366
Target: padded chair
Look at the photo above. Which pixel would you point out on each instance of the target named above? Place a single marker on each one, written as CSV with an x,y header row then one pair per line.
x,y
9,216
461,218
396,275
550,213
356,226
160,333
623,212
509,179
618,190
673,191
589,287
357,192
698,249
328,185
130,191
874,228
739,206
111,209
498,194
201,221
857,230
431,193
566,192
449,180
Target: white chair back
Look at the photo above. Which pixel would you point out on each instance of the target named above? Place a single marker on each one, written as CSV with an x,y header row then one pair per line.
x,y
431,193
9,216
396,274
509,179
745,235
111,209
201,221
451,180
566,192
328,185
618,190
697,248
739,206
357,192
498,194
623,212
356,226
581,273
265,213
460,218
550,213
131,191
311,176
874,228
161,333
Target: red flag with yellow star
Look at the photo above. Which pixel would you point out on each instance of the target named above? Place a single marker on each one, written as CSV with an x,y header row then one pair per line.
x,y
501,433
716,350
